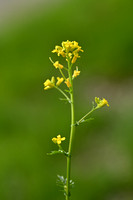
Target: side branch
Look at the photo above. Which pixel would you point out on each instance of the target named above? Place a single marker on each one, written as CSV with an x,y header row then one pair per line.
x,y
68,99
83,118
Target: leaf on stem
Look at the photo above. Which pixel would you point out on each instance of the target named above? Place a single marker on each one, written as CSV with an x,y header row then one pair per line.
x,y
61,182
60,151
67,91
86,120
55,152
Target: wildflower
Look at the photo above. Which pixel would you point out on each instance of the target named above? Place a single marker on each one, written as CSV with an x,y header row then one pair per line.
x,y
75,45
57,65
78,50
101,102
68,83
58,140
76,73
49,84
75,57
59,81
59,51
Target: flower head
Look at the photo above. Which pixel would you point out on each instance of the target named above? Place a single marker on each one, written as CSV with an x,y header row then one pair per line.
x,y
58,140
68,49
59,81
76,73
101,102
68,83
49,83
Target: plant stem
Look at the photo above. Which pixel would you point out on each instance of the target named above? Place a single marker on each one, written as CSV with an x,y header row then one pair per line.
x,y
86,115
71,134
63,93
62,74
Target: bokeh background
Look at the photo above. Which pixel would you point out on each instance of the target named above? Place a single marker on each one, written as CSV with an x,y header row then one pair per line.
x,y
102,163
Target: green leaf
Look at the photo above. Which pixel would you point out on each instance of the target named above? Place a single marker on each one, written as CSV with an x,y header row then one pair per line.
x,y
63,99
67,91
60,151
55,152
86,120
93,104
61,182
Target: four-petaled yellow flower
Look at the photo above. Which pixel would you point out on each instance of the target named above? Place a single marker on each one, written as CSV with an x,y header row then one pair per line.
x,y
58,65
58,140
68,83
59,81
76,73
49,84
101,102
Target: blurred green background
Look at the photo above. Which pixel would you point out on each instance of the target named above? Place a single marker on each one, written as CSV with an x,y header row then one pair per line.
x,y
102,163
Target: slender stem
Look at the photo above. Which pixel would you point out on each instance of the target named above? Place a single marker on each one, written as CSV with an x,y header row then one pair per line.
x,y
71,134
86,115
62,74
63,93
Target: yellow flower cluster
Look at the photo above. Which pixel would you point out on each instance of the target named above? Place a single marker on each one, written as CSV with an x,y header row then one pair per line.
x,y
48,84
69,50
58,140
101,102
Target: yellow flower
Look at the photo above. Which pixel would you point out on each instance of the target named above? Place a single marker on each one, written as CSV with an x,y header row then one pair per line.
x,y
76,73
68,83
75,45
58,139
57,65
59,81
78,50
75,57
101,102
59,51
49,84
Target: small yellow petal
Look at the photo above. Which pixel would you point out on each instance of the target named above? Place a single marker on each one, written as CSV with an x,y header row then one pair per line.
x,y
58,141
47,87
54,140
62,139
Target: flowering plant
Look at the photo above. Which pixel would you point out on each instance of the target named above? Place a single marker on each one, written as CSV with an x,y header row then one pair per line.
x,y
70,51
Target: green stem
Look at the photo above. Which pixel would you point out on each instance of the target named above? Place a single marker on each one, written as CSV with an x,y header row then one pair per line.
x,y
63,94
78,122
62,74
71,134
